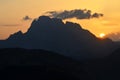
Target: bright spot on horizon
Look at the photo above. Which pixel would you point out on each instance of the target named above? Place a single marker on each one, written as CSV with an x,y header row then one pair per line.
x,y
102,35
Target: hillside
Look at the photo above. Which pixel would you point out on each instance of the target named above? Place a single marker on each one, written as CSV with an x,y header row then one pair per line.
x,y
46,65
39,64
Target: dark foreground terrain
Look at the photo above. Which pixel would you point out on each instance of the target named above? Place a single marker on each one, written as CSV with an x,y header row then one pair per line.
x,y
23,64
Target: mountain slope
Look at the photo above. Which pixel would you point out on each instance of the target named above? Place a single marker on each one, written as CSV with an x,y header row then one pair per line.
x,y
40,64
68,39
107,68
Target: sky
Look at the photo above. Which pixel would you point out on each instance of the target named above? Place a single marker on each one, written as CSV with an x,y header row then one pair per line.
x,y
12,13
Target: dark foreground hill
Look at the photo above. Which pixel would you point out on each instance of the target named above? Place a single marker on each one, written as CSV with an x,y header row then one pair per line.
x,y
107,68
23,64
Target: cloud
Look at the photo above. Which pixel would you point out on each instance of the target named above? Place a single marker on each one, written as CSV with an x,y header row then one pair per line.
x,y
27,18
10,25
114,36
76,13
97,15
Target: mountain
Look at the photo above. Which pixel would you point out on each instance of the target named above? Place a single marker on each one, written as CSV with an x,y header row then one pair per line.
x,y
36,64
24,64
68,39
107,68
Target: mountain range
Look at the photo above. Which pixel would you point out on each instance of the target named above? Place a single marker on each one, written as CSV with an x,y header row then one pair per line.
x,y
36,64
52,49
68,39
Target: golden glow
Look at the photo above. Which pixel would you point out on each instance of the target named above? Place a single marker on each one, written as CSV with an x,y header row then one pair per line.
x,y
12,11
102,35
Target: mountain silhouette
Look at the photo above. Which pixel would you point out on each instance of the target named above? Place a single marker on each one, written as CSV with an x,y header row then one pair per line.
x,y
18,63
68,39
35,64
106,68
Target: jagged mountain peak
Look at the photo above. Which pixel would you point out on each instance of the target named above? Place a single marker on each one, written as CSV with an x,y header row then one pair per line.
x,y
52,34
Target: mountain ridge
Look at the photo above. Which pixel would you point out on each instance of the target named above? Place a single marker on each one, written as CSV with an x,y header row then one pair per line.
x,y
41,64
68,39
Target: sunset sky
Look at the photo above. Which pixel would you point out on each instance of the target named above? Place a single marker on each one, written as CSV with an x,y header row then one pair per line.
x,y
13,11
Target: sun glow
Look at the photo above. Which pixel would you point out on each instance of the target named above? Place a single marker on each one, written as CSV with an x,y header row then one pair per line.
x,y
102,35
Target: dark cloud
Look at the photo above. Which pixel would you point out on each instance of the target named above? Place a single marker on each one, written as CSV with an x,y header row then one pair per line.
x,y
77,13
97,15
27,18
10,25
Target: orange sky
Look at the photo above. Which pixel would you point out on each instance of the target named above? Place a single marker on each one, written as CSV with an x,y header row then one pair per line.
x,y
12,12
